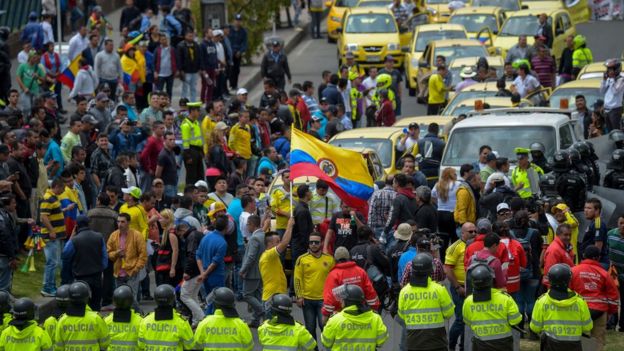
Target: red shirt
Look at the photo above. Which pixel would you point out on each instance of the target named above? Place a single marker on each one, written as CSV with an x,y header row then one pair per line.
x,y
557,252
149,155
517,259
346,273
385,115
594,284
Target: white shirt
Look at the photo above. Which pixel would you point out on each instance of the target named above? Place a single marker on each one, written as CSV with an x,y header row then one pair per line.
x,y
449,204
76,45
85,83
48,34
242,220
22,57
409,144
613,91
529,83
220,52
369,83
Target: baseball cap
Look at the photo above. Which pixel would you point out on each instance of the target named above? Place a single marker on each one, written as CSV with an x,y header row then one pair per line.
x,y
275,43
238,17
201,184
89,119
342,253
484,226
497,177
316,118
324,100
490,157
101,97
49,95
217,32
502,206
133,191
349,55
221,125
241,91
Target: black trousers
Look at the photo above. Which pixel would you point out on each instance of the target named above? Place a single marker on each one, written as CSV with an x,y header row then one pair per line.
x,y
434,109
108,284
614,119
95,284
235,71
193,161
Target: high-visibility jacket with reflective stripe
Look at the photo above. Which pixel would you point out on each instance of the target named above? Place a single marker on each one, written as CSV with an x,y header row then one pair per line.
x,y
491,320
191,133
165,335
31,338
6,318
86,333
564,320
49,325
529,178
123,336
347,330
220,333
285,337
425,307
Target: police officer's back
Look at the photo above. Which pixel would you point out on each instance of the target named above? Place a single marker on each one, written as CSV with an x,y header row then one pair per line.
x,y
580,166
356,327
282,331
5,309
164,329
224,327
61,300
424,305
561,316
431,148
614,178
80,328
537,156
490,313
568,183
123,324
23,333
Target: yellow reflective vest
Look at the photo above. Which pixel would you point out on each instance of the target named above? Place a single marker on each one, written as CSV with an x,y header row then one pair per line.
x,y
31,338
347,331
564,320
49,325
191,133
123,336
274,336
169,335
425,307
529,179
86,333
221,333
6,318
491,320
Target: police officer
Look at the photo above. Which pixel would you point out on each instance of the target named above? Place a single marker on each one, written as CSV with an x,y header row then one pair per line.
x,y
356,326
192,144
80,328
526,176
5,309
490,313
538,158
592,159
577,165
61,300
224,327
561,315
615,174
123,324
567,183
593,175
423,306
617,136
282,331
164,329
23,333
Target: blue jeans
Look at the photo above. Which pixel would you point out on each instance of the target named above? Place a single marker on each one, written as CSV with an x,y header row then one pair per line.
x,y
457,329
52,252
209,286
6,274
526,297
312,315
189,86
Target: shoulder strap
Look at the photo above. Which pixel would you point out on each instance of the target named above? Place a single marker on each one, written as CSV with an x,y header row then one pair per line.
x,y
326,205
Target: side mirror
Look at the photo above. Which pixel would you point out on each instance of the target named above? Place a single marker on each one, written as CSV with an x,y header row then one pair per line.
x,y
405,49
338,30
423,64
524,7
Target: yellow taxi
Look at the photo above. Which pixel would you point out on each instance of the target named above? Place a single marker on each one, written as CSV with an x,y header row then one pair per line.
x,y
424,122
438,9
525,22
474,19
381,139
594,70
578,9
423,34
482,90
337,9
496,63
507,5
370,34
374,3
590,88
468,105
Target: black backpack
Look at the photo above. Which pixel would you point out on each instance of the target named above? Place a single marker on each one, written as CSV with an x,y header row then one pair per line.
x,y
474,263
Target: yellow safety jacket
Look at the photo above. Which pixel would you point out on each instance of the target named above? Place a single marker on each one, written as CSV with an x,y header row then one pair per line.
x,y
221,333
564,320
582,57
491,320
123,336
240,140
49,325
191,133
6,318
170,335
86,333
529,178
348,331
425,307
356,96
31,338
274,336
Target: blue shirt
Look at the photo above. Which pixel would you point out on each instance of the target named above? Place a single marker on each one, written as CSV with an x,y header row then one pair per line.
x,y
54,153
321,130
235,208
406,257
211,250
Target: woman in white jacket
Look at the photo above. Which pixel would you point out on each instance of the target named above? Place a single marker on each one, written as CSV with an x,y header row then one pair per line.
x,y
86,81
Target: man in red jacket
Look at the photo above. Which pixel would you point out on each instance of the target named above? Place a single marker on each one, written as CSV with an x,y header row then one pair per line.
x,y
345,272
484,227
149,156
559,251
594,284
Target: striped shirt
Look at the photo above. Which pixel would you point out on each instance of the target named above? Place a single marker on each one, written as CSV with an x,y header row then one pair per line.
x,y
379,207
323,207
616,248
51,207
545,70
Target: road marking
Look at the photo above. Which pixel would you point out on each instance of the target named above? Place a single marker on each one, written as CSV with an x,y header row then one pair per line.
x,y
302,50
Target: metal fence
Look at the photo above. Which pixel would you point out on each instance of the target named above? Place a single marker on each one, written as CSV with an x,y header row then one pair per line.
x,y
16,15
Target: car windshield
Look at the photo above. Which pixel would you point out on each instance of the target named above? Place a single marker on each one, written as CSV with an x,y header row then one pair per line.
x,y
383,147
436,2
463,145
457,51
346,3
475,23
591,95
521,25
371,23
425,37
374,3
464,95
511,5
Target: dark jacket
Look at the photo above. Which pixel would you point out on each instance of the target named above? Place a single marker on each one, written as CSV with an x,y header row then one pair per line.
x,y
88,55
86,250
565,63
208,56
427,217
128,14
8,239
103,219
360,255
218,159
192,244
157,59
431,148
403,209
117,177
238,39
184,60
303,227
394,254
547,32
275,68
332,95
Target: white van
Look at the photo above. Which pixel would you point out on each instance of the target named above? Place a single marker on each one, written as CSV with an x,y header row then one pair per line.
x,y
506,129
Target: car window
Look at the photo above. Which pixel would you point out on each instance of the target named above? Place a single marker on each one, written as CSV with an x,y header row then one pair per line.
x,y
380,3
521,25
565,137
457,51
591,95
566,21
383,147
426,37
475,22
417,20
346,3
437,2
370,23
511,5
559,26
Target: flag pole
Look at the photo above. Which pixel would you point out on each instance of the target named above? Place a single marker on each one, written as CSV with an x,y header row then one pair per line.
x,y
291,198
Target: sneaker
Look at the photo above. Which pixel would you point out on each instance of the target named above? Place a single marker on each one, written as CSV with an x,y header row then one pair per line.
x,y
47,294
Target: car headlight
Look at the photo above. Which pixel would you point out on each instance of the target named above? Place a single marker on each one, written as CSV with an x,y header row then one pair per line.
x,y
432,10
335,19
351,47
394,46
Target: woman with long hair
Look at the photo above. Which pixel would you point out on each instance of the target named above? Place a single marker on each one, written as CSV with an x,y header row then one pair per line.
x,y
217,153
168,269
444,193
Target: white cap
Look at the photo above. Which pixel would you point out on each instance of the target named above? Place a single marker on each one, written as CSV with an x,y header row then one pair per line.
x,y
241,91
201,184
502,206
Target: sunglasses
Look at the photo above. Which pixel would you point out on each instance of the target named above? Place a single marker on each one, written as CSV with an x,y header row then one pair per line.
x,y
472,231
315,242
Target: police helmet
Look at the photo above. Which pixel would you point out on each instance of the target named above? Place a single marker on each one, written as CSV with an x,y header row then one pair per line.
x,y
62,296
582,148
481,278
79,293
354,295
281,303
561,161
579,40
164,295
5,302
574,156
224,297
4,33
24,309
384,81
422,264
617,160
617,135
123,297
538,147
559,276
614,64
592,151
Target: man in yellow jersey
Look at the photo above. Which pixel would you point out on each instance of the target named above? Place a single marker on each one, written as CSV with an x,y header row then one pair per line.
x,y
282,332
23,333
53,231
280,202
424,305
311,270
271,269
62,301
138,221
192,143
123,324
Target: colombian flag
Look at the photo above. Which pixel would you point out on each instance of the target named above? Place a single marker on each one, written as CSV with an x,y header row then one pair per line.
x,y
344,170
69,74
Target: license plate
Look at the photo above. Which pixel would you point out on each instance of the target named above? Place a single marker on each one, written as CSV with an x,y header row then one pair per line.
x,y
373,58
